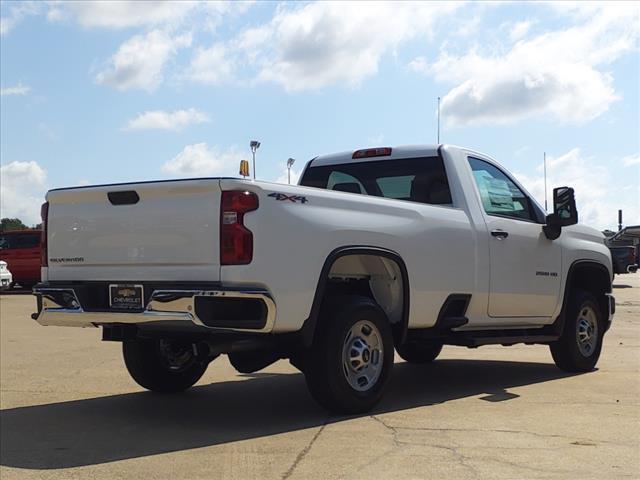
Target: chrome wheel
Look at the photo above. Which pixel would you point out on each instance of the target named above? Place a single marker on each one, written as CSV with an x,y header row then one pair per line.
x,y
362,355
587,331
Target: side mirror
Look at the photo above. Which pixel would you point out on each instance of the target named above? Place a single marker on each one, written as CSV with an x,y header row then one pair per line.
x,y
564,212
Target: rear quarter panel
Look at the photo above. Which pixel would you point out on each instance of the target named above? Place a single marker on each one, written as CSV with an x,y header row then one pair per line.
x,y
292,240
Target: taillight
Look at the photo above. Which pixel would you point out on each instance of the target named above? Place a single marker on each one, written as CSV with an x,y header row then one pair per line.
x,y
236,240
44,214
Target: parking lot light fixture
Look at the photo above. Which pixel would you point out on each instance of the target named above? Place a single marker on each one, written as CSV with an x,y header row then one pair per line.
x,y
254,145
290,163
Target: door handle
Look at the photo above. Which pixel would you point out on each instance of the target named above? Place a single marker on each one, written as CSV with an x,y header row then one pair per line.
x,y
499,234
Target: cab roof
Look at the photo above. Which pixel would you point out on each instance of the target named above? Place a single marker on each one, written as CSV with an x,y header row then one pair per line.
x,y
405,151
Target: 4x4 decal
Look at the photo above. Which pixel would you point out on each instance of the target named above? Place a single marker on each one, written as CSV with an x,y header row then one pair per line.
x,y
292,198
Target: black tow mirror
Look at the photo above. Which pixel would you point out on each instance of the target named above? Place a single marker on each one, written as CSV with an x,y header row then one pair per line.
x,y
564,212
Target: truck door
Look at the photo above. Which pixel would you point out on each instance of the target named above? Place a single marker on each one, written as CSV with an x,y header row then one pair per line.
x,y
525,266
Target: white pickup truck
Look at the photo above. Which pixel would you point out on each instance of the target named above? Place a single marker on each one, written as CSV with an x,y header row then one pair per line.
x,y
405,248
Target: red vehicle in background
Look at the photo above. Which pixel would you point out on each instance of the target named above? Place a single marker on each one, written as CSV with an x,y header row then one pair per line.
x,y
21,250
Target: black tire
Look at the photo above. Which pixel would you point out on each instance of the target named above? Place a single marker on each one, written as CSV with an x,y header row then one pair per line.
x,y
324,370
419,353
151,367
567,352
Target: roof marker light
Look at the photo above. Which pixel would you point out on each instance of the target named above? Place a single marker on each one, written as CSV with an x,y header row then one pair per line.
x,y
372,152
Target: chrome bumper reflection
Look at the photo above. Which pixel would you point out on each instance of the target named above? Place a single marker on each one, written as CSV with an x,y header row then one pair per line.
x,y
61,307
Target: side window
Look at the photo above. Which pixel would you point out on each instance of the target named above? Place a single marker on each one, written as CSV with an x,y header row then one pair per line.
x,y
4,242
500,196
343,182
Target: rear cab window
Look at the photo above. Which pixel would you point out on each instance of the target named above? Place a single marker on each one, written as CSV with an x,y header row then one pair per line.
x,y
421,180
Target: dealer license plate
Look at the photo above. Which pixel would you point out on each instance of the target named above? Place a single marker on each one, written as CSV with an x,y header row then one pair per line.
x,y
126,297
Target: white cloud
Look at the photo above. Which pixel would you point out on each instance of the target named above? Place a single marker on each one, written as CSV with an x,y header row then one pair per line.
x,y
140,61
519,30
597,197
326,43
18,89
559,74
136,13
199,159
211,65
161,120
16,13
419,64
22,190
630,160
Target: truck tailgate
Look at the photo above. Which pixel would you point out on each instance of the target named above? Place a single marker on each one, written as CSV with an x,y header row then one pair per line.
x,y
164,231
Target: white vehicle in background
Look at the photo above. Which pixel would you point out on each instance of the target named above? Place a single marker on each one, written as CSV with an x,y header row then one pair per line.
x,y
6,279
405,248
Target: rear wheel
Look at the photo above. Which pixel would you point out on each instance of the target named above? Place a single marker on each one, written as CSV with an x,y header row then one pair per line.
x,y
350,361
422,352
162,365
578,349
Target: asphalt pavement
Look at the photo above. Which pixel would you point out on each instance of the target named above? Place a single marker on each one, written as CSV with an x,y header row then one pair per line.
x,y
70,410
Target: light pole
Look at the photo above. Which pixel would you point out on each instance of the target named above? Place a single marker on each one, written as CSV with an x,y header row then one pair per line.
x,y
290,163
255,145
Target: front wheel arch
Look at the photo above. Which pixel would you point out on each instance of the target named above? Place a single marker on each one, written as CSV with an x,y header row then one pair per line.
x,y
588,276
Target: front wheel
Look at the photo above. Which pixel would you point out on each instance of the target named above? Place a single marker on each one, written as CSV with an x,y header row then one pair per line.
x,y
165,366
350,361
578,349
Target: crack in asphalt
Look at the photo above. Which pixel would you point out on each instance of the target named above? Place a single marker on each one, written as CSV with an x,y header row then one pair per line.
x,y
479,430
303,453
460,457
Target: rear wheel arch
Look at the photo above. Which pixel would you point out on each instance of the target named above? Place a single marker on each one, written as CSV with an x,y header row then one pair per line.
x,y
399,328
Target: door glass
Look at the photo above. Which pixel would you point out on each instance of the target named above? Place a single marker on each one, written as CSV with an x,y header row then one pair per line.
x,y
500,196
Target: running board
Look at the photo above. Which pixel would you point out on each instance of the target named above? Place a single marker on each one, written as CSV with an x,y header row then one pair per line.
x,y
466,339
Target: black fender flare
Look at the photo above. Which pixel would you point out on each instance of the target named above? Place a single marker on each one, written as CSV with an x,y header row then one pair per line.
x,y
558,325
310,324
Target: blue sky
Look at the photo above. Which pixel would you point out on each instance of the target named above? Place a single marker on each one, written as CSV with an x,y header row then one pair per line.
x,y
123,91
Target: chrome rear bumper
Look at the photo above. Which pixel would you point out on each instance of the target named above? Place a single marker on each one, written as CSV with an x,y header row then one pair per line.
x,y
61,307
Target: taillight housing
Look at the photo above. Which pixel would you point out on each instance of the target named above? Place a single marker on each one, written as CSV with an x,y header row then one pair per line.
x,y
236,240
44,254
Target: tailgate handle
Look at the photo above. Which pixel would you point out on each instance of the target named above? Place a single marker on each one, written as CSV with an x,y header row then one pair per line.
x,y
127,197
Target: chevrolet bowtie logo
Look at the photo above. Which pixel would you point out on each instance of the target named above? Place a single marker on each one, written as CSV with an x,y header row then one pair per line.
x,y
126,292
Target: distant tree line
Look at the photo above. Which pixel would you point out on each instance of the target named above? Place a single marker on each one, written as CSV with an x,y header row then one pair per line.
x,y
8,224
